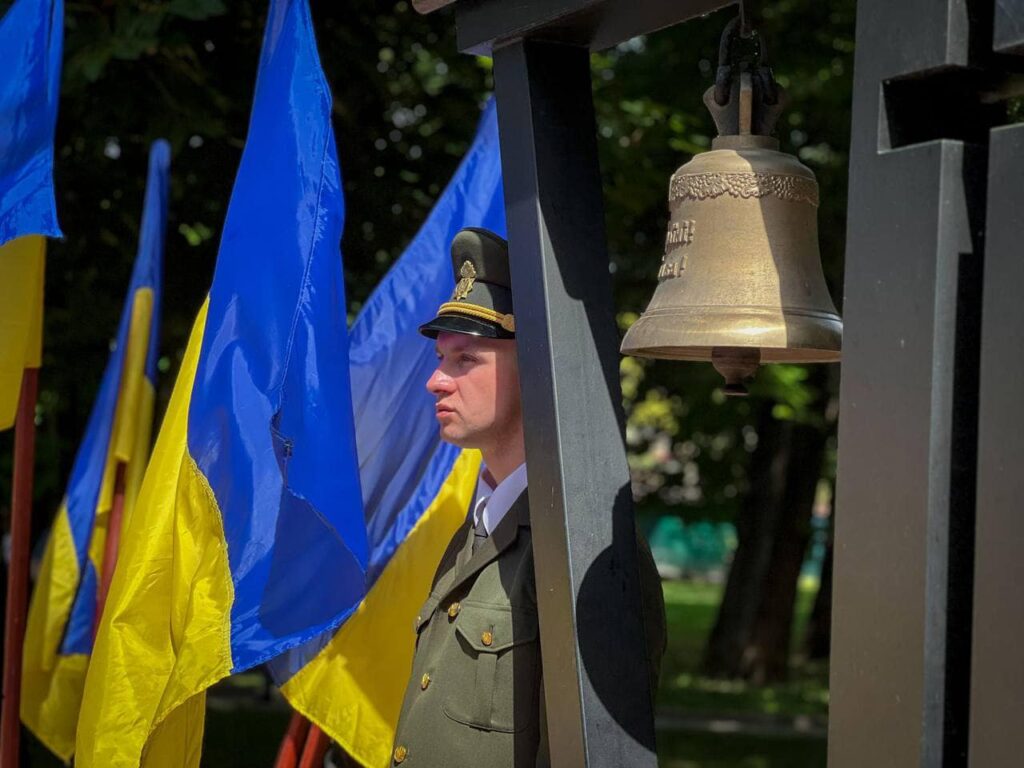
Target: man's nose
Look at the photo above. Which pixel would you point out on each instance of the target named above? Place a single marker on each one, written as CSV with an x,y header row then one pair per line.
x,y
439,383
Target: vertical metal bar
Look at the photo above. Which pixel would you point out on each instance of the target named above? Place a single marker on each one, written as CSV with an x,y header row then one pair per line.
x,y
997,704
908,405
596,688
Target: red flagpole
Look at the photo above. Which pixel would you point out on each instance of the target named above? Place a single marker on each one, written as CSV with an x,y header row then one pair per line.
x,y
113,544
17,572
294,739
315,749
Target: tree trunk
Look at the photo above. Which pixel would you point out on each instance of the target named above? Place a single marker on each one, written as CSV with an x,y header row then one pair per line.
x,y
755,524
766,658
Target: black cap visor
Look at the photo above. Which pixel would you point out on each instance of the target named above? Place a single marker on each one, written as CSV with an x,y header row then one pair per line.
x,y
471,326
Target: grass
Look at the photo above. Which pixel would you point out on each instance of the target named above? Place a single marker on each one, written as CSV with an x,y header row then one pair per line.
x,y
242,731
690,610
683,749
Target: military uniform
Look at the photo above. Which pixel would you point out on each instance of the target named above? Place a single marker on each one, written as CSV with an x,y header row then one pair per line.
x,y
475,696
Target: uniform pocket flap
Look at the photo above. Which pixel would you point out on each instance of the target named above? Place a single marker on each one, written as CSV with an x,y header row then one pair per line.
x,y
492,629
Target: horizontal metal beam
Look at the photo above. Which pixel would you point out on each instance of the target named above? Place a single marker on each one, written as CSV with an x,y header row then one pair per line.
x,y
596,24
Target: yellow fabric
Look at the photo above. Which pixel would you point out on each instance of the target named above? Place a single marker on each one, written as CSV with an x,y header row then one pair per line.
x,y
353,688
136,468
133,377
52,683
165,634
22,267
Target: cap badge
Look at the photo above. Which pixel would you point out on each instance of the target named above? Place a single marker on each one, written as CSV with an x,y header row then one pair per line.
x,y
467,274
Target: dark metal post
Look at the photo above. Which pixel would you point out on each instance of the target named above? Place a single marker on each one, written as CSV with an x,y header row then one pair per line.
x,y
905,503
597,693
997,682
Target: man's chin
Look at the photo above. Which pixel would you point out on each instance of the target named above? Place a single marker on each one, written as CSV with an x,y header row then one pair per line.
x,y
454,437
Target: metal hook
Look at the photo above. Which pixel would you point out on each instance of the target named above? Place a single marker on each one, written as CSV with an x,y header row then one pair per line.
x,y
757,64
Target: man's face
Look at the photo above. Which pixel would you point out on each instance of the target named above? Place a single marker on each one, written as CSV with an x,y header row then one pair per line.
x,y
476,386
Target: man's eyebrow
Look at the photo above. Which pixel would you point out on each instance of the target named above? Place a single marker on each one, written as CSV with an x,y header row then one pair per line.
x,y
461,345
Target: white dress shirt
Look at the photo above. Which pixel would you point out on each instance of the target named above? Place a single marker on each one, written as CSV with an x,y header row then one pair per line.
x,y
492,503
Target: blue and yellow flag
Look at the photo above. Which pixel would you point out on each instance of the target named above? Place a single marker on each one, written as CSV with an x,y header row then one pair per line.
x,y
31,41
61,618
248,537
416,489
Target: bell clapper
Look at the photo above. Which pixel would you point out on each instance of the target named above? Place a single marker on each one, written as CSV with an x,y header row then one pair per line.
x,y
736,365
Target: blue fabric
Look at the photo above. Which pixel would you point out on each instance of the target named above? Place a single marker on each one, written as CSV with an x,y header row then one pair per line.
x,y
31,43
402,461
151,240
87,472
270,423
78,632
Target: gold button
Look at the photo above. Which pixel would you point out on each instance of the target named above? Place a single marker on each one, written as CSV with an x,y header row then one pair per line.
x,y
424,681
487,638
453,610
400,754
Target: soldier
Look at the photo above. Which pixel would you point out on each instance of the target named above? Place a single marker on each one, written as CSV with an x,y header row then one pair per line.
x,y
475,696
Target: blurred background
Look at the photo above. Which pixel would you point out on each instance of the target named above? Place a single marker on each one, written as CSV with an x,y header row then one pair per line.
x,y
734,495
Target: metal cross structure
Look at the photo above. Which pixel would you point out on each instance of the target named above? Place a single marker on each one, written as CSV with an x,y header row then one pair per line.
x,y
926,662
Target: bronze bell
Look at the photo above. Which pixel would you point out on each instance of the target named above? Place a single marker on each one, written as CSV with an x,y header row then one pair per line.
x,y
740,282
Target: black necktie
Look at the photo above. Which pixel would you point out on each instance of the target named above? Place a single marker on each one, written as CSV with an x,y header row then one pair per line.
x,y
479,533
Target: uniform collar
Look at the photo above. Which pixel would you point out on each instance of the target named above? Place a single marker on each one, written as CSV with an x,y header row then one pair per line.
x,y
468,563
494,503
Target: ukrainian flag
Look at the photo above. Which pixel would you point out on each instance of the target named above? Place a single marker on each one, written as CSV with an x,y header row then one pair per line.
x,y
61,618
31,39
248,537
416,489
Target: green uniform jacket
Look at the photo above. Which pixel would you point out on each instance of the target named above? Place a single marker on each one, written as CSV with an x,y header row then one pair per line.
x,y
475,696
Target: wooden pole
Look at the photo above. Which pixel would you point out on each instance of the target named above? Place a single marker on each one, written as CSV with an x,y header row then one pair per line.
x,y
294,739
113,543
17,573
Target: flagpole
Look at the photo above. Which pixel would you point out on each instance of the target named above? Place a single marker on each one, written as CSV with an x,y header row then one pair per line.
x,y
17,573
291,745
113,543
315,748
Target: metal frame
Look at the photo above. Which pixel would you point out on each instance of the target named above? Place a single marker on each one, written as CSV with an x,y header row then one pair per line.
x,y
580,504
997,680
909,456
597,693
